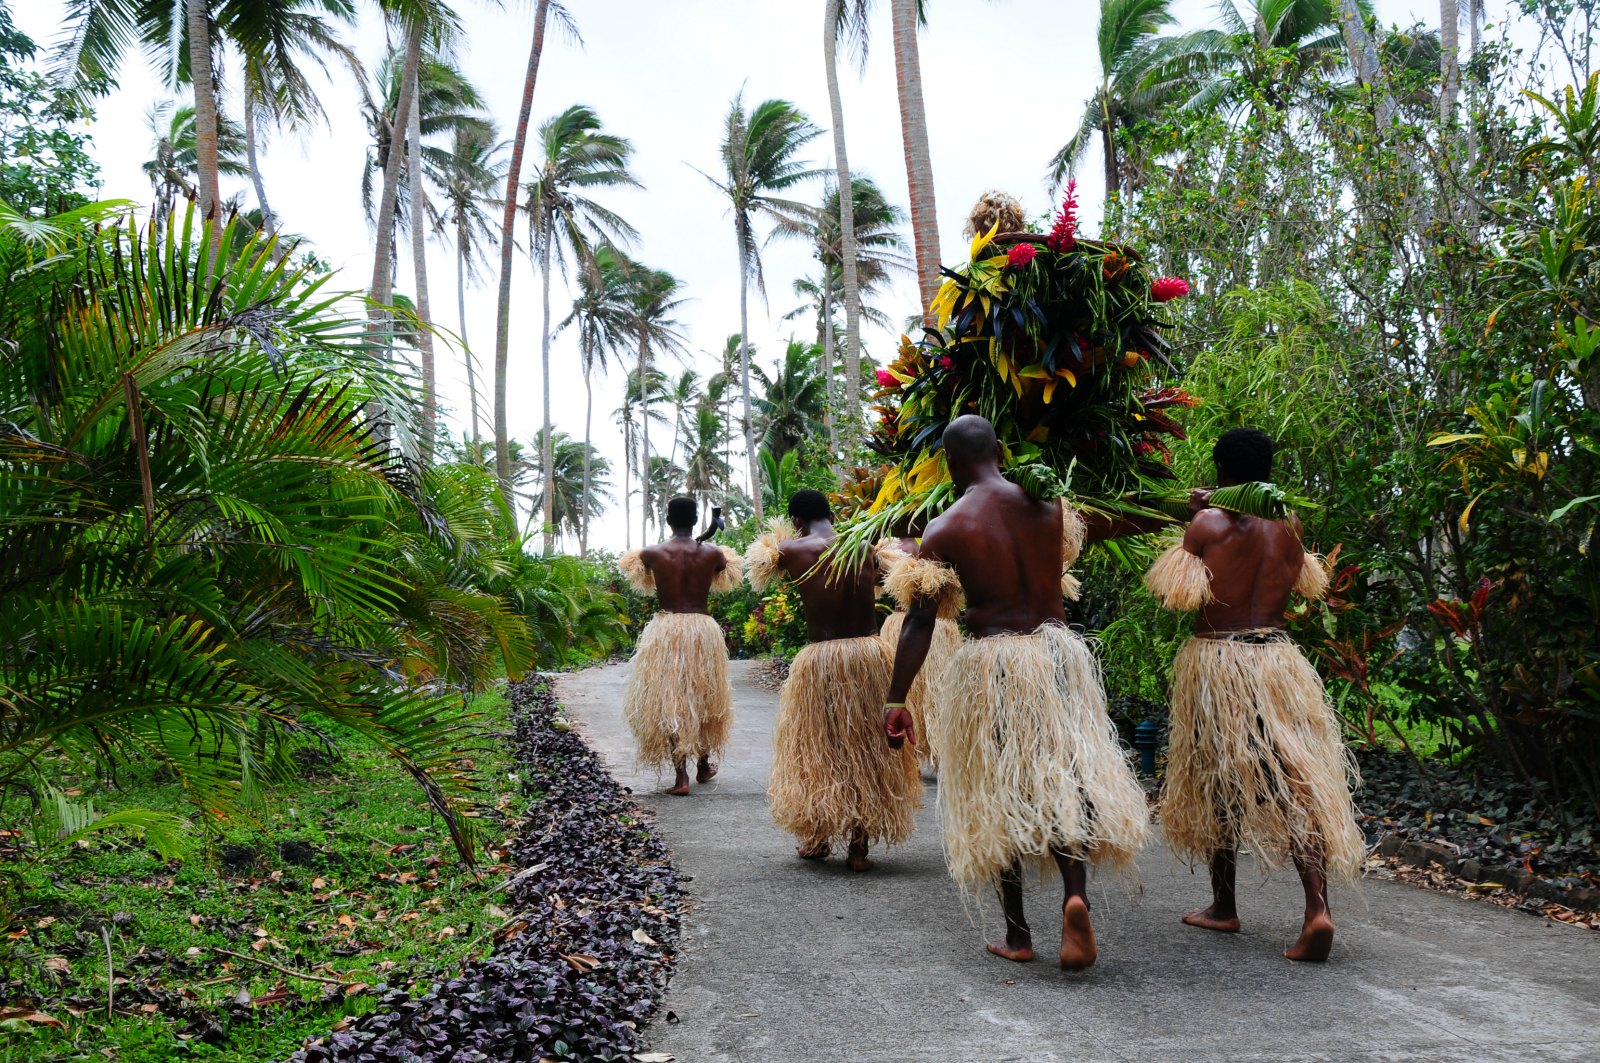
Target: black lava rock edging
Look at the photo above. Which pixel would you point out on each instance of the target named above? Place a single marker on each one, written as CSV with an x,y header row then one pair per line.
x,y
581,964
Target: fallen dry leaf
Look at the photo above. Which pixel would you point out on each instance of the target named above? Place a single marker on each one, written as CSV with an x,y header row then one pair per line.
x,y
654,1057
580,962
37,1018
642,938
57,964
318,883
355,989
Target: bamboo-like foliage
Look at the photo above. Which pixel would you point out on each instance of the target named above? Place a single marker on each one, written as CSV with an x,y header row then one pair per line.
x,y
206,554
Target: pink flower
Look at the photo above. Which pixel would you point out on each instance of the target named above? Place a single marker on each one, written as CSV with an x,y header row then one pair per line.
x,y
948,362
887,379
1064,237
1020,255
1166,288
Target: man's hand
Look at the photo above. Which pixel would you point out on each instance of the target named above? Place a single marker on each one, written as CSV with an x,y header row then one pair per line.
x,y
1199,499
897,722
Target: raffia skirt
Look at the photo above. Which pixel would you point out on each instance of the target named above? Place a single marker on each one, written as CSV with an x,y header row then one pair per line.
x,y
833,773
921,702
678,702
1029,763
1255,758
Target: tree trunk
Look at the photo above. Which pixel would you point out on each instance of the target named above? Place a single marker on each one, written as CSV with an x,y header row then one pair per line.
x,y
547,446
588,414
1449,60
627,485
381,294
269,220
914,134
644,440
1364,58
197,17
466,348
740,222
1108,145
502,335
826,339
419,265
847,236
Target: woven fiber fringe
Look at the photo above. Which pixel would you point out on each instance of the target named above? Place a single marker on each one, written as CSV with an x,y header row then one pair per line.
x,y
1029,761
921,702
761,560
1256,759
1074,532
1179,580
1312,583
833,773
637,573
732,573
678,702
917,577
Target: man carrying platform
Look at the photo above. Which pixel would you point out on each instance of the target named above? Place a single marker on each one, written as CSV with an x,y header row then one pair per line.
x,y
1030,769
679,702
1256,759
833,779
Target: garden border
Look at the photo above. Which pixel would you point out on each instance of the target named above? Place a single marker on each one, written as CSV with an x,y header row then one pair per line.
x,y
1470,869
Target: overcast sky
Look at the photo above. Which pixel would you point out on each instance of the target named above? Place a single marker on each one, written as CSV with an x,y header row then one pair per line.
x,y
1004,83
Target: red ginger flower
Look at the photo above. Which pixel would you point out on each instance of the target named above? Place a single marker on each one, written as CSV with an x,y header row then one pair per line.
x,y
1167,288
1020,255
1064,237
887,379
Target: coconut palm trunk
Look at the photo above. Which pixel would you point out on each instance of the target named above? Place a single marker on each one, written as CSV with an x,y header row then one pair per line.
x,y
197,17
847,236
547,443
740,232
644,440
419,262
1449,59
914,135
1364,58
269,220
826,340
466,348
1108,145
588,418
502,336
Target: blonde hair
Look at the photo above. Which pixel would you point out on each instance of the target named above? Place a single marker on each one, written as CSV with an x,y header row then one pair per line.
x,y
992,207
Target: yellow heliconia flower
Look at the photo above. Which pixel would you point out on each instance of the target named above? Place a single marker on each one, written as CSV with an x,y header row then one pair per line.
x,y
980,242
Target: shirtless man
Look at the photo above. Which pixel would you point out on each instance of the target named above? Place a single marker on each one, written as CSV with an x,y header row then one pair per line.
x,y
920,701
1256,757
833,780
678,702
1030,769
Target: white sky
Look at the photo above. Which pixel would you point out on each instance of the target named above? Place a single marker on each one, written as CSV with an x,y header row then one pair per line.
x,y
1004,82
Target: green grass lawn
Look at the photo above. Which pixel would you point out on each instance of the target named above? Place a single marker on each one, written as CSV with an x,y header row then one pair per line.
x,y
345,877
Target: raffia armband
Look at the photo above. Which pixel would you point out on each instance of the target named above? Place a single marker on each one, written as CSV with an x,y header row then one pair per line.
x,y
637,573
732,573
887,554
1073,533
762,559
1313,579
918,577
1179,580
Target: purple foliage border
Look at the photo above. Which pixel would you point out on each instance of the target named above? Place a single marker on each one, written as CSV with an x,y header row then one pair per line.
x,y
594,884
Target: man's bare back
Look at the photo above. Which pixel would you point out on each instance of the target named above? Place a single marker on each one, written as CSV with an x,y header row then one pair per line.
x,y
683,570
1254,564
840,603
1006,547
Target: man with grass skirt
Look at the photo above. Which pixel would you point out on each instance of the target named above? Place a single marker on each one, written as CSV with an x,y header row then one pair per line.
x,y
1256,759
834,781
920,701
1030,769
679,703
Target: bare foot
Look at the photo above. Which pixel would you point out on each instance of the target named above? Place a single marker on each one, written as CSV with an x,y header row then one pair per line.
x,y
679,788
855,858
706,771
1316,940
1078,950
815,851
1209,919
1015,953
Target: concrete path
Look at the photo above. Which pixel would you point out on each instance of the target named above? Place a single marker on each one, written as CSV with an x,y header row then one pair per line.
x,y
786,960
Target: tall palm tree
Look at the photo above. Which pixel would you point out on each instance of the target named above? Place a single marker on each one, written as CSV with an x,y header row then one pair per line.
x,y
760,158
791,401
630,417
682,393
655,303
1130,57
665,480
906,16
842,20
705,470
565,484
174,162
576,156
602,313
469,184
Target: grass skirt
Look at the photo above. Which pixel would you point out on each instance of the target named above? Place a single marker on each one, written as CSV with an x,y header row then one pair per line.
x,y
1029,762
1256,759
921,701
833,773
678,702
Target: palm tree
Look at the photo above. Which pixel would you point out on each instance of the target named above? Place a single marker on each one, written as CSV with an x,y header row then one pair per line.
x,y
1130,56
577,479
682,393
603,315
576,156
705,470
655,303
174,163
791,402
759,159
630,416
842,20
469,182
665,480
906,16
